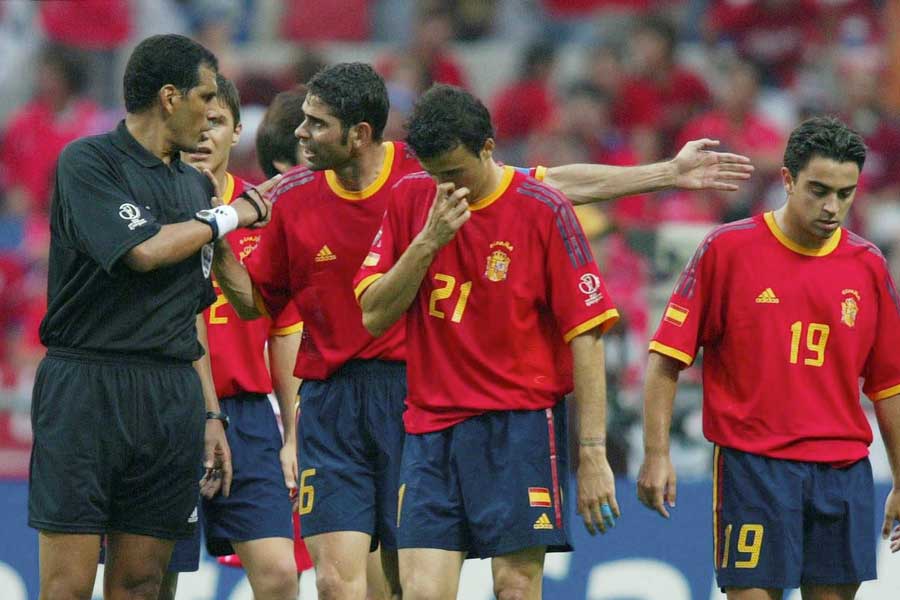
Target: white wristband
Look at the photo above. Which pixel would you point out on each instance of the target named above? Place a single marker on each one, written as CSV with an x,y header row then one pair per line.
x,y
226,219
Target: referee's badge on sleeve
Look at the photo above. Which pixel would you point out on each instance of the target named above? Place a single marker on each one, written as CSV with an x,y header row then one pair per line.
x,y
206,258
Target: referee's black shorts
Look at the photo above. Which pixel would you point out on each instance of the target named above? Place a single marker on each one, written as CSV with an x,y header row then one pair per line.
x,y
118,445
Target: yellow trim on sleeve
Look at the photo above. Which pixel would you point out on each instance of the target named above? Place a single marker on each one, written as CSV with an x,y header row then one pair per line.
x,y
288,330
493,196
365,283
370,189
606,320
540,172
790,244
891,391
260,304
678,355
228,194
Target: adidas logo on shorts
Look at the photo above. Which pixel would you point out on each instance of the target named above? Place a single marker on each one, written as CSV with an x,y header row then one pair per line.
x,y
543,522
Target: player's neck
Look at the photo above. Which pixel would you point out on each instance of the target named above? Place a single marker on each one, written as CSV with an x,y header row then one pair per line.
x,y
361,172
221,175
151,134
794,231
491,183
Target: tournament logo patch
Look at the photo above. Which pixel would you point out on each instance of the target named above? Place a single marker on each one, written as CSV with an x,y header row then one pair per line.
x,y
206,259
372,259
131,213
538,496
589,284
675,314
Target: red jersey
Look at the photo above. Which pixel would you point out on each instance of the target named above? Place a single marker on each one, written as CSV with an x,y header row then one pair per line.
x,y
319,235
489,327
787,333
237,348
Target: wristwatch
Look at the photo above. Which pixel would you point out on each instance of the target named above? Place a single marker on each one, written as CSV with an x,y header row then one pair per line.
x,y
208,217
211,414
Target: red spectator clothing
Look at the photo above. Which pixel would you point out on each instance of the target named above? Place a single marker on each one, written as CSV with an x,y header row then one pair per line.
x,y
579,8
87,24
648,103
523,107
490,325
882,156
35,137
787,333
441,68
319,235
317,21
755,135
773,35
236,347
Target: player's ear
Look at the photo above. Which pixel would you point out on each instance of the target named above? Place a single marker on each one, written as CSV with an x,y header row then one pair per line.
x,y
788,180
167,95
487,151
360,134
236,135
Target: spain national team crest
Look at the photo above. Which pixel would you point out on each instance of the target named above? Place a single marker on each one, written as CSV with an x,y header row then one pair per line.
x,y
849,307
498,261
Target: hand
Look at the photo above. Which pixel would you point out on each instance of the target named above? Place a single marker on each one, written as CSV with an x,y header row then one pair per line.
x,y
656,483
216,461
891,516
449,210
288,456
699,168
253,206
596,499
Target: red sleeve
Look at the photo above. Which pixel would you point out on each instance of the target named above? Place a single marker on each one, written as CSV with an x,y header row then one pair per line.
x,y
577,294
882,370
269,266
688,321
382,253
288,321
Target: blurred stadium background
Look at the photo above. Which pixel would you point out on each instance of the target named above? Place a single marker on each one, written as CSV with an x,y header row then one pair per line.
x,y
613,81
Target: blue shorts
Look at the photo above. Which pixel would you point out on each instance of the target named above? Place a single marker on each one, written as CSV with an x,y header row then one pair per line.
x,y
259,505
781,524
488,486
350,442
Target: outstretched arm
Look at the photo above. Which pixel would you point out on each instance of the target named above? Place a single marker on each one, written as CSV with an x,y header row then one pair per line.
x,y
695,167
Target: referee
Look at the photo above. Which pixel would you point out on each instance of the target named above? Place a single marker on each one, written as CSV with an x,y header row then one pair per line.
x,y
120,399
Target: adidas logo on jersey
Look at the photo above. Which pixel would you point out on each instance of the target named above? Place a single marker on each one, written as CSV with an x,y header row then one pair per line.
x,y
767,297
543,522
325,254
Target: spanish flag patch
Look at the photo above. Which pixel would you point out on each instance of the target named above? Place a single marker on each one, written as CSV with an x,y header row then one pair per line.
x,y
539,496
675,314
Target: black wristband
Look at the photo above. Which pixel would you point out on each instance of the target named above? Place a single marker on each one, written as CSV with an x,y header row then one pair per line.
x,y
246,196
219,416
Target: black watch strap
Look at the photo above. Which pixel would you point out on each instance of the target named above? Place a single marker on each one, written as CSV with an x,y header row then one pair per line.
x,y
207,216
211,414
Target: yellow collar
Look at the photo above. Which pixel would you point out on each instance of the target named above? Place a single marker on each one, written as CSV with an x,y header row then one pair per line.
x,y
341,191
790,244
493,196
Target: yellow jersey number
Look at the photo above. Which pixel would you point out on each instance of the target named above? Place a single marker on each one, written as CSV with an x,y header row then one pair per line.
x,y
446,291
816,339
221,300
750,539
307,493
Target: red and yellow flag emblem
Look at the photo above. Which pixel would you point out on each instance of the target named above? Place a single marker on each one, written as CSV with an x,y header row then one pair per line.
x,y
675,314
538,496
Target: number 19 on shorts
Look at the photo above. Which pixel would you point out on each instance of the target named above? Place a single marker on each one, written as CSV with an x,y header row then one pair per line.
x,y
749,544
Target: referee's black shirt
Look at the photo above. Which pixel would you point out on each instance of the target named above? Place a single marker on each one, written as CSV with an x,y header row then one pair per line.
x,y
110,195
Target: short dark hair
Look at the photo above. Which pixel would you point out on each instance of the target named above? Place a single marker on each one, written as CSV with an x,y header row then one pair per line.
x,y
445,117
228,94
826,137
355,93
275,139
69,63
160,60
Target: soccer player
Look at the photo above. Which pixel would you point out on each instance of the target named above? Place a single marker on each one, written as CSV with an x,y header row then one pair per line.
x,y
118,404
353,390
506,308
277,148
254,521
792,311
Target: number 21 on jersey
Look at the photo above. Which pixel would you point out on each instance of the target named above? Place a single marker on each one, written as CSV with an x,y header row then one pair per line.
x,y
444,292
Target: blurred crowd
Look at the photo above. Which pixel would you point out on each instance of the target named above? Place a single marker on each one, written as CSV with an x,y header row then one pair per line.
x,y
619,82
